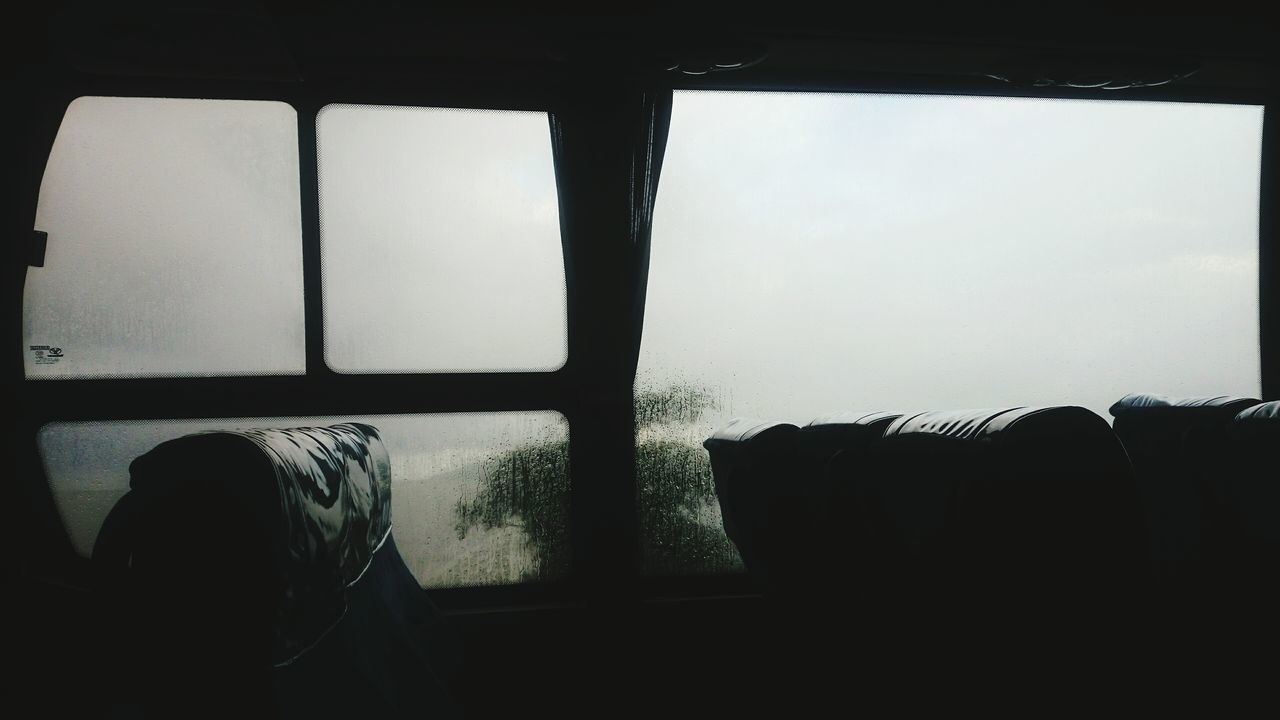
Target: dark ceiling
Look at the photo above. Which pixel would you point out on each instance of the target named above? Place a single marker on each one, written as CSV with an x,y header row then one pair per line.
x,y
390,42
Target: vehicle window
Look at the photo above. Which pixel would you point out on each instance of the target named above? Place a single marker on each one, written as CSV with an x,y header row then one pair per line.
x,y
175,242
476,498
441,240
818,252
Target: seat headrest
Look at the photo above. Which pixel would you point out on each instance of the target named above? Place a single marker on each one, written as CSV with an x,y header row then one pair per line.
x,y
822,438
1045,490
1267,413
854,419
857,426
748,459
1262,420
747,430
1000,425
324,493
1141,404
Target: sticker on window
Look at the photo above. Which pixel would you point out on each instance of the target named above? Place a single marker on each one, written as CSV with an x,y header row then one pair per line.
x,y
46,354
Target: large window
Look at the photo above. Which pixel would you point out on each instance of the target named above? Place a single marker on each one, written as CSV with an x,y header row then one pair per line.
x,y
811,253
175,242
824,252
176,249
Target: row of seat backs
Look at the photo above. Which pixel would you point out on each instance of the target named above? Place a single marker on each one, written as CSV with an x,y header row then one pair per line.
x,y
792,496
1006,499
1206,471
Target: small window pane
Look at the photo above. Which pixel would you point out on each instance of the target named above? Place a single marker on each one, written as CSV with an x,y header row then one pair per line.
x,y
175,242
441,237
476,498
818,252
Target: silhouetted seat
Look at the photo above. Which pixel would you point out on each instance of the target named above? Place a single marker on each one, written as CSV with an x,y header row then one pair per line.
x,y
944,528
984,525
1243,498
775,499
1229,613
755,469
824,437
824,443
1173,443
256,572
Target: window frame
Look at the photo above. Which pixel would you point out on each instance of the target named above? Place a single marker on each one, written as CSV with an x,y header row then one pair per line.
x,y
1268,328
591,400
320,390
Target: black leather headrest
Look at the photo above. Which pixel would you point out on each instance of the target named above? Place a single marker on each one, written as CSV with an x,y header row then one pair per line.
x,y
752,461
1246,493
854,420
1045,490
740,448
290,517
1146,404
1000,426
746,430
818,441
1174,435
1251,445
1263,418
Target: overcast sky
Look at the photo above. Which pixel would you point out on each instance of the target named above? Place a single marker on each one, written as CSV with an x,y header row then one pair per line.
x,y
823,252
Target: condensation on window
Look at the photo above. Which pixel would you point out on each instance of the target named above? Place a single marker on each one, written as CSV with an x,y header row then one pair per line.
x,y
440,231
825,252
681,530
477,498
174,242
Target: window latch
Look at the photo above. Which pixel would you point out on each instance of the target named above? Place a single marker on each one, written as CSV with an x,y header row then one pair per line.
x,y
35,253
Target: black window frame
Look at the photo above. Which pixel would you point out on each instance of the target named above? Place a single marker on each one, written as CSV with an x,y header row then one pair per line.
x,y
1268,209
589,390
571,390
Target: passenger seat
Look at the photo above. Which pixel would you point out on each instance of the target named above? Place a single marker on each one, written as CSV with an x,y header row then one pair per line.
x,y
1174,443
755,468
254,572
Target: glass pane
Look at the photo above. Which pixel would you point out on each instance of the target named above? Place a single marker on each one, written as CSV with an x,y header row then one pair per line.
x,y
476,498
680,522
818,252
175,242
441,238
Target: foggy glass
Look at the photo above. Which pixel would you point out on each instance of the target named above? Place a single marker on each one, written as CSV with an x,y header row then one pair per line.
x,y
175,242
815,253
441,240
440,463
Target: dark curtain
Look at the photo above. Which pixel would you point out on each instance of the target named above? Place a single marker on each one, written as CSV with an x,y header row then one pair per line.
x,y
608,137
608,150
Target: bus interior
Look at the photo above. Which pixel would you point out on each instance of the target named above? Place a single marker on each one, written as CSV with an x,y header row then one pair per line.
x,y
392,359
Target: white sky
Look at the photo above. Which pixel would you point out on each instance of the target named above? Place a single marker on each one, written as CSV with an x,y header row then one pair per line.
x,y
822,252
